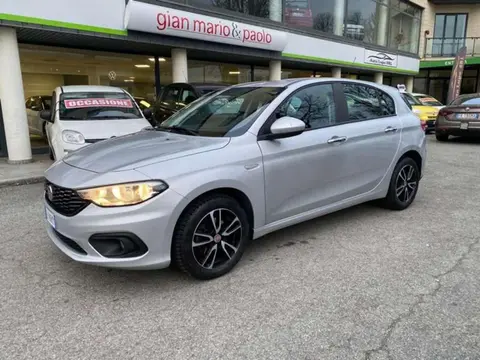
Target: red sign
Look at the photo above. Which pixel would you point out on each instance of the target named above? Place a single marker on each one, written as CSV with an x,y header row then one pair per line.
x,y
101,102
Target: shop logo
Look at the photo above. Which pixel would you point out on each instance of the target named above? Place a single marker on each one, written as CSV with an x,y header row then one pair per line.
x,y
380,58
212,27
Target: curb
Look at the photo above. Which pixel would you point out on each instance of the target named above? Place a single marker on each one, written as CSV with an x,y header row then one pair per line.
x,y
22,181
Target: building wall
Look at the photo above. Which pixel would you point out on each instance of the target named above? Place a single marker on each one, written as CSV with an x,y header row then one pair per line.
x,y
428,18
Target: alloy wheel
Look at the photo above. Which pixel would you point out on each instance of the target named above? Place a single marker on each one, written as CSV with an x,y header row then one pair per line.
x,y
216,238
406,184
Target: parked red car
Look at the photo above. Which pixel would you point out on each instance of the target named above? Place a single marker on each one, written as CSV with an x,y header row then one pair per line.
x,y
298,13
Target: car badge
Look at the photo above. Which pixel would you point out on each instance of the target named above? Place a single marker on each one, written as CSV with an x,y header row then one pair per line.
x,y
467,109
50,192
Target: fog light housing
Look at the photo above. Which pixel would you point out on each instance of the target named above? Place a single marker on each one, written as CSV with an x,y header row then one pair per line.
x,y
118,245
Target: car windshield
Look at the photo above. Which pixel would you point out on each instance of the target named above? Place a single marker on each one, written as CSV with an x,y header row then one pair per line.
x,y
428,100
410,99
467,100
97,106
229,113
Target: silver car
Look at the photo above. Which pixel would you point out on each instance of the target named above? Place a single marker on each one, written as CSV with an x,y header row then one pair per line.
x,y
230,167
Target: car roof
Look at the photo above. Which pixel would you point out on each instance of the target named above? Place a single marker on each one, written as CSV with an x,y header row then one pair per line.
x,y
91,88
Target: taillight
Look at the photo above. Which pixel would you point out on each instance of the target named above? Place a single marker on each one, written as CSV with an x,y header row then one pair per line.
x,y
444,112
423,124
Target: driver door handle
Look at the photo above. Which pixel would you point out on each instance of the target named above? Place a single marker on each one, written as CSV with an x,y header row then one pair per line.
x,y
389,129
337,139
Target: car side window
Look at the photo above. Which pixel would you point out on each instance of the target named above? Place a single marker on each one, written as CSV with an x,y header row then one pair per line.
x,y
171,94
54,106
38,104
367,102
314,105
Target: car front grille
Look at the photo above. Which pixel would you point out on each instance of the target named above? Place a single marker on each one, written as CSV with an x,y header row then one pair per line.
x,y
66,202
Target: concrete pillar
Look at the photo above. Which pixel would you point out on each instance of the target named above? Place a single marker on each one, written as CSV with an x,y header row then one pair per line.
x,y
378,77
275,10
339,17
409,84
179,65
336,72
275,70
382,22
13,99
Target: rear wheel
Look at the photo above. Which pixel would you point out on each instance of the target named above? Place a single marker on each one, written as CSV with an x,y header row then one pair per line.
x,y
210,237
442,137
403,185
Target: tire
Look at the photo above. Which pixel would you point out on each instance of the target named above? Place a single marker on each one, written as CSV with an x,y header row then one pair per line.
x,y
441,137
214,253
396,198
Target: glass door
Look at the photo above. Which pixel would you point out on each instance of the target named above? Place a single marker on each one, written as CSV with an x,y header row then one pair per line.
x,y
449,34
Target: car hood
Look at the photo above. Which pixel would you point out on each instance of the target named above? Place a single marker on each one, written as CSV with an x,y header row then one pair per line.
x,y
104,129
140,149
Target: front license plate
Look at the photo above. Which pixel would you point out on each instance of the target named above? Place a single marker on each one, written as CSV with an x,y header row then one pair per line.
x,y
464,126
50,218
297,14
467,116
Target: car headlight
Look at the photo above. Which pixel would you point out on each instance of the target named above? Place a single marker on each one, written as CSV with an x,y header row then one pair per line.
x,y
73,137
123,194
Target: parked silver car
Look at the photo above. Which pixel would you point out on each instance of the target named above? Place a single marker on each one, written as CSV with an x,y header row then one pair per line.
x,y
231,167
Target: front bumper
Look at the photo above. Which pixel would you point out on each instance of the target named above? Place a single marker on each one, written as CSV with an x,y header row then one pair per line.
x,y
152,222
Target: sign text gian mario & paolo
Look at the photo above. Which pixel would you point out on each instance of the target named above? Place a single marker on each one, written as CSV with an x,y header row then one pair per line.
x,y
150,18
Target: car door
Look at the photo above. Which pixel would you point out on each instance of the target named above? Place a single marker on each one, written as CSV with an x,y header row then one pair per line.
x,y
168,104
52,128
301,172
368,138
29,103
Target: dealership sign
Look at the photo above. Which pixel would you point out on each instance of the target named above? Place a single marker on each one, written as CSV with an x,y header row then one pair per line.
x,y
151,18
380,58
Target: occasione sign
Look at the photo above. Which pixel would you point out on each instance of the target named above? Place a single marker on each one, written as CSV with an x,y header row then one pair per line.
x,y
150,18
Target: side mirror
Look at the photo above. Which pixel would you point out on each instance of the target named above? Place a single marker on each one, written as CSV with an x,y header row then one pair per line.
x,y
147,113
285,127
46,115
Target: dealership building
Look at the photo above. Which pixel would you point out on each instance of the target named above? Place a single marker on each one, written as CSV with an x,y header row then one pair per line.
x,y
143,45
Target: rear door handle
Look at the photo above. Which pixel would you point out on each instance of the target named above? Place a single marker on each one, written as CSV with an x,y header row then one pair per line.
x,y
337,139
389,129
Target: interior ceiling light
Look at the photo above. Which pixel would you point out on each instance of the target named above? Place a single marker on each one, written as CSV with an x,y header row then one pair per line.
x,y
159,59
142,65
234,72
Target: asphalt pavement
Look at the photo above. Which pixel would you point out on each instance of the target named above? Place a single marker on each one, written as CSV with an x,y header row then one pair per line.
x,y
364,283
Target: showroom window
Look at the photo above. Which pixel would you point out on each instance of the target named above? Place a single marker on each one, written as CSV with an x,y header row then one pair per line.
x,y
290,74
210,72
404,33
270,9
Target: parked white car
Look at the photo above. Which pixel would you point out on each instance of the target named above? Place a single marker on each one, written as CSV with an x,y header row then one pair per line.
x,y
34,105
83,115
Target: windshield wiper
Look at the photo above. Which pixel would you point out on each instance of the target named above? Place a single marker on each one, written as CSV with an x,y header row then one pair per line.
x,y
72,118
111,117
178,129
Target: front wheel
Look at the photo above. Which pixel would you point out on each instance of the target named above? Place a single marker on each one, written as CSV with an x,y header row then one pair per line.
x,y
210,237
403,185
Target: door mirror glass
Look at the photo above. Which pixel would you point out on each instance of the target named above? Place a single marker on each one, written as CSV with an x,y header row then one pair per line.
x,y
46,115
286,127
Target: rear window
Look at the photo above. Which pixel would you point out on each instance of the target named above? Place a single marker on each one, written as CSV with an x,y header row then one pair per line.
x,y
297,4
97,106
410,99
427,100
466,100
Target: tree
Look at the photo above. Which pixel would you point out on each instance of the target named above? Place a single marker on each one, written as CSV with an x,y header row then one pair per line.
x,y
324,22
